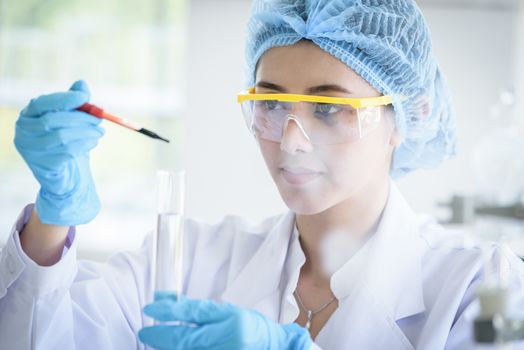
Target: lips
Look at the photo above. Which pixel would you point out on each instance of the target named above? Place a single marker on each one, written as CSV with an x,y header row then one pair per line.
x,y
299,176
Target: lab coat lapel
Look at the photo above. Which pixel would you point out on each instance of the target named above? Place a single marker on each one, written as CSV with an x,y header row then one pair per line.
x,y
381,284
360,322
396,270
257,284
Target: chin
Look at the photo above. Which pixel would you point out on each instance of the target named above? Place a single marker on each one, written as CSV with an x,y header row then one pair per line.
x,y
304,206
305,211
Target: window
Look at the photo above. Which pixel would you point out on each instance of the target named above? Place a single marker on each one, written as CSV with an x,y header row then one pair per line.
x,y
131,54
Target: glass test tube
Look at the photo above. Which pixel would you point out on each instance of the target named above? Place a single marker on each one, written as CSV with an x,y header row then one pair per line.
x,y
169,234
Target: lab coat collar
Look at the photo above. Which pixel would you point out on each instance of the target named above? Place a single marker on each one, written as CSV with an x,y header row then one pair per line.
x,y
389,264
387,269
262,273
379,285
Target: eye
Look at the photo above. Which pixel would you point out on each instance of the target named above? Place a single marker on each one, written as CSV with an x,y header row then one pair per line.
x,y
269,105
326,109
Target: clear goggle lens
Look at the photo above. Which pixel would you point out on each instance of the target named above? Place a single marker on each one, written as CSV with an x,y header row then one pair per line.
x,y
322,123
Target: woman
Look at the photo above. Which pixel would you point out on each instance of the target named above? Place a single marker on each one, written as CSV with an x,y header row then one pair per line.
x,y
344,95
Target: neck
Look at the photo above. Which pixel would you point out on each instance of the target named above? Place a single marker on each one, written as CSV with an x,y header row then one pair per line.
x,y
357,215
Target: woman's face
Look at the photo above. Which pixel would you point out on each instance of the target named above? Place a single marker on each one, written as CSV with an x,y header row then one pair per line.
x,y
313,178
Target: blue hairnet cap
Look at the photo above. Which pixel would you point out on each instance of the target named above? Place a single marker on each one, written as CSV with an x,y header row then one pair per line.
x,y
387,42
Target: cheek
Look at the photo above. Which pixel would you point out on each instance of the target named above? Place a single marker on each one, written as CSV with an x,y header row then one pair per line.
x,y
352,165
271,153
344,170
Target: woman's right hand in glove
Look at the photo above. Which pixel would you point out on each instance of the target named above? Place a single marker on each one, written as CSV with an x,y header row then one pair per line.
x,y
55,140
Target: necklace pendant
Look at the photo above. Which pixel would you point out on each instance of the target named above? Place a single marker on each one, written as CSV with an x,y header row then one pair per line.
x,y
309,317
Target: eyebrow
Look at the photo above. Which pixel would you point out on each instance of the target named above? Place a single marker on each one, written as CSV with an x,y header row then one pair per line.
x,y
311,90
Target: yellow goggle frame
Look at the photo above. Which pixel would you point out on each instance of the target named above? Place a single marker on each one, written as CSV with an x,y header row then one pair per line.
x,y
355,102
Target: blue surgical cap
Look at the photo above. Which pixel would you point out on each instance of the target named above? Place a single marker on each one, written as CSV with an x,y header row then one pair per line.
x,y
387,42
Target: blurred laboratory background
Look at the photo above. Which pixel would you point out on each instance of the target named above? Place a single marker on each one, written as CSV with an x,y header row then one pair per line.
x,y
175,66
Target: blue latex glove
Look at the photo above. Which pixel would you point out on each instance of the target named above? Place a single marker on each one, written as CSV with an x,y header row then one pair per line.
x,y
54,139
218,327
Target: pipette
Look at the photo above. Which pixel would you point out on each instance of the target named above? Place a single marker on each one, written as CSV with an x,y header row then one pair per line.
x,y
100,113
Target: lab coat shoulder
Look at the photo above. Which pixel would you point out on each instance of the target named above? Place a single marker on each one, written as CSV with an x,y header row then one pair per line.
x,y
453,267
449,253
455,255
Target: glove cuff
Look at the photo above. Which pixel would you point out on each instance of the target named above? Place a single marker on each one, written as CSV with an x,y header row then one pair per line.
x,y
70,211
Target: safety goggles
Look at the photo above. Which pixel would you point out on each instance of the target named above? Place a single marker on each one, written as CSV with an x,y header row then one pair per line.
x,y
322,120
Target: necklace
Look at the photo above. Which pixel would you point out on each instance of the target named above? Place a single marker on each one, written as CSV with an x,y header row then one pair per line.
x,y
311,313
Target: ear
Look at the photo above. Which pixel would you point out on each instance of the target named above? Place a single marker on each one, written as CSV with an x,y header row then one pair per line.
x,y
395,138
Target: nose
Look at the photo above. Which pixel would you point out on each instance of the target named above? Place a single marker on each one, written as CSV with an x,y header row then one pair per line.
x,y
294,137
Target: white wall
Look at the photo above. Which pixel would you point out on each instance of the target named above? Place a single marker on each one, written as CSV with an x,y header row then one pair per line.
x,y
475,48
226,174
518,63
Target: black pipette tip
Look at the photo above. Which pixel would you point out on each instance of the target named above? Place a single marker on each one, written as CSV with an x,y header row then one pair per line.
x,y
151,134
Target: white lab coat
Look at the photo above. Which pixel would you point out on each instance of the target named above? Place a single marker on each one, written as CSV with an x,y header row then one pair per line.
x,y
411,286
